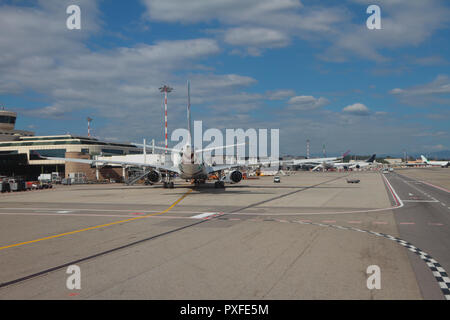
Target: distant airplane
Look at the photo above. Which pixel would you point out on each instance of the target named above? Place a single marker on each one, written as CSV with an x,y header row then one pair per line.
x,y
305,163
186,164
443,164
347,165
316,161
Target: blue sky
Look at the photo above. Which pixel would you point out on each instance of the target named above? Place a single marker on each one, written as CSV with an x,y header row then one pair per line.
x,y
310,68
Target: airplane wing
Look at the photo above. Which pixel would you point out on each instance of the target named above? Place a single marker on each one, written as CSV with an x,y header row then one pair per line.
x,y
124,163
196,151
312,161
212,169
315,161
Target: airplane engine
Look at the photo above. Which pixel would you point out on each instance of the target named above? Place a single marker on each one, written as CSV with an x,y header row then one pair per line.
x,y
154,176
357,166
234,176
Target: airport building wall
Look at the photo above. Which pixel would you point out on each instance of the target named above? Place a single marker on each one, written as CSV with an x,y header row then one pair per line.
x,y
23,157
92,172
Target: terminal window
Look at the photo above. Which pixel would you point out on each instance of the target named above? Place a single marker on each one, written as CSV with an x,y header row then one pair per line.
x,y
7,119
112,151
61,153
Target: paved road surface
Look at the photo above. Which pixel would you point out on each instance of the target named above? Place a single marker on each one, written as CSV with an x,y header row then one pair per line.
x,y
425,222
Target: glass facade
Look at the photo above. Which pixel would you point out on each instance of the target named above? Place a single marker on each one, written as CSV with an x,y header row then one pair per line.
x,y
112,151
8,119
61,153
52,143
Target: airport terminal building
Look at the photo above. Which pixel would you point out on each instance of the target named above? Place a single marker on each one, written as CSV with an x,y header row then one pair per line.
x,y
20,150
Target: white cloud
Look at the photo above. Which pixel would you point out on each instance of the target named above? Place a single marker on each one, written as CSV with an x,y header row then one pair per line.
x,y
256,37
230,11
255,24
118,84
441,85
436,92
405,23
437,147
279,94
306,103
357,109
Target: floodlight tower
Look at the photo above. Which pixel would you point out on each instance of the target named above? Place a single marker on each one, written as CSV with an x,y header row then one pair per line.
x,y
166,90
89,120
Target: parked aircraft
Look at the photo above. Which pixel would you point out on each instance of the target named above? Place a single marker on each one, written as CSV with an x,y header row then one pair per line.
x,y
443,164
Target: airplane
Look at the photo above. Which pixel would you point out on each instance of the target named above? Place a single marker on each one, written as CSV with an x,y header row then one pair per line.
x,y
347,165
303,163
443,164
186,164
315,161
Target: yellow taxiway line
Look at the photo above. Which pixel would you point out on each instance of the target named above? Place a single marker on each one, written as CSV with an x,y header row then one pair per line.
x,y
99,226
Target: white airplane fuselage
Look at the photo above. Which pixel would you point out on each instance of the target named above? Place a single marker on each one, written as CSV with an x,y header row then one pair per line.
x,y
190,165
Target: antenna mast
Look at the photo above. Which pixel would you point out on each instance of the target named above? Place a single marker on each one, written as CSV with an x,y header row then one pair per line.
x,y
189,110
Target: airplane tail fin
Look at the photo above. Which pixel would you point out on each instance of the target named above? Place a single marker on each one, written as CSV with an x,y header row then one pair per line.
x,y
189,111
424,159
346,154
372,158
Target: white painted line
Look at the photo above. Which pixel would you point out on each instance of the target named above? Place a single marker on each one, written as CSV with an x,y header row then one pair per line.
x,y
91,209
204,215
396,197
440,274
437,187
311,213
420,201
88,215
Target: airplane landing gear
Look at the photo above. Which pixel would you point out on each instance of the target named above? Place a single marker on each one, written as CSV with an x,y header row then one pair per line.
x,y
219,184
168,184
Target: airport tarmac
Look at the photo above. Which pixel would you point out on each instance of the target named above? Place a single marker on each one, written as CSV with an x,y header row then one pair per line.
x,y
312,236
